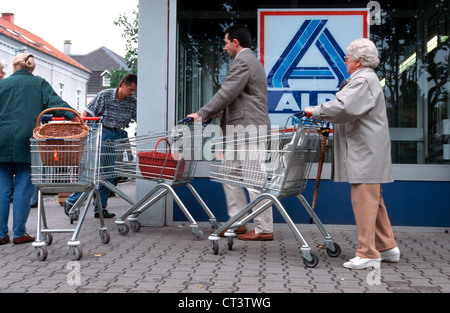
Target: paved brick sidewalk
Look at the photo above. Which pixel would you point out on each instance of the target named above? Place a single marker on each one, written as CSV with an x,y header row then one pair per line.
x,y
170,260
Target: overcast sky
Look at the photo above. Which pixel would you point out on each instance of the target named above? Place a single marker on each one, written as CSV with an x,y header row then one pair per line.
x,y
88,23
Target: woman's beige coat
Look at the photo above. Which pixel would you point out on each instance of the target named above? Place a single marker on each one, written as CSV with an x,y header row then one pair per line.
x,y
362,146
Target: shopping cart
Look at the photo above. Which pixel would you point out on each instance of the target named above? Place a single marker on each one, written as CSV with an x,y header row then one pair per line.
x,y
276,163
59,165
155,161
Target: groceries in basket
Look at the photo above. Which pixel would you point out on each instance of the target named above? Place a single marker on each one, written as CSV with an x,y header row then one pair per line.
x,y
62,143
165,165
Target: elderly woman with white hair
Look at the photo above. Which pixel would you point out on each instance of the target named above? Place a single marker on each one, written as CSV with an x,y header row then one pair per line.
x,y
362,152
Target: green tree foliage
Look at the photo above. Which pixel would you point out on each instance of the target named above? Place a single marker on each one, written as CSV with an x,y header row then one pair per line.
x,y
130,34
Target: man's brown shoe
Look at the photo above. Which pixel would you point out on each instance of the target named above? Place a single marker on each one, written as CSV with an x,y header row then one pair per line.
x,y
251,236
240,230
4,240
24,239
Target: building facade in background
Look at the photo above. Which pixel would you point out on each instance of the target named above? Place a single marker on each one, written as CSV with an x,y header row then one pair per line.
x,y
182,73
101,62
67,77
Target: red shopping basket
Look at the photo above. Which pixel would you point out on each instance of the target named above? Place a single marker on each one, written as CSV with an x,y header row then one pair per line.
x,y
154,164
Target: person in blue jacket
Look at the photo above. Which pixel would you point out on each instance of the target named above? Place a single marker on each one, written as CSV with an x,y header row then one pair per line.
x,y
23,96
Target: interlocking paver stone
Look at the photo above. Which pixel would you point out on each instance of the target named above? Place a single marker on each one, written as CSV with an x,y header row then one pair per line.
x,y
169,259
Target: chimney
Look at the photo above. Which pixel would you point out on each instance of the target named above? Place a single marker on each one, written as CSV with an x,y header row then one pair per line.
x,y
9,17
67,46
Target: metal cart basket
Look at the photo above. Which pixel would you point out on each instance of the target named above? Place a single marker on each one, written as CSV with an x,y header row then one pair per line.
x,y
276,163
66,165
154,161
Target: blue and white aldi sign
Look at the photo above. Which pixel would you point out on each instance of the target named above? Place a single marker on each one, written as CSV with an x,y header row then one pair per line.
x,y
303,54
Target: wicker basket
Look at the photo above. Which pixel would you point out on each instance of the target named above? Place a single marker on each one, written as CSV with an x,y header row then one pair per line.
x,y
155,164
61,144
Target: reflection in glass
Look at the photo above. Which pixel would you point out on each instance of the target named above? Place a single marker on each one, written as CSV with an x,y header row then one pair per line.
x,y
413,41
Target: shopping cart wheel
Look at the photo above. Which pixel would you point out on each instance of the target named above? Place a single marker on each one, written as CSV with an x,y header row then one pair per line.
x,y
215,246
311,263
41,253
215,224
123,229
230,243
135,226
335,252
198,233
47,238
104,236
76,252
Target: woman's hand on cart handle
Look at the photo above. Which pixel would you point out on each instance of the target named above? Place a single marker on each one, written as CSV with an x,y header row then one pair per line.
x,y
309,111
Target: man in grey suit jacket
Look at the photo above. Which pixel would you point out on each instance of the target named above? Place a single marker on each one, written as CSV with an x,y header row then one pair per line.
x,y
241,101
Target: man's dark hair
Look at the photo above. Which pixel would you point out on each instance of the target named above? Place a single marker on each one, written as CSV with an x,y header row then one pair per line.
x,y
128,80
241,33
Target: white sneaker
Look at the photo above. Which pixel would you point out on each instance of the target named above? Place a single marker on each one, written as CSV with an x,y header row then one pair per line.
x,y
391,255
358,263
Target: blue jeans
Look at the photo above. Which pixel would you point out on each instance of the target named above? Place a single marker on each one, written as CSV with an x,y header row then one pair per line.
x,y
107,135
34,196
23,189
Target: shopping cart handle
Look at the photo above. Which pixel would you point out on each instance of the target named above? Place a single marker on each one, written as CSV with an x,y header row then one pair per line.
x,y
300,114
91,118
187,120
46,118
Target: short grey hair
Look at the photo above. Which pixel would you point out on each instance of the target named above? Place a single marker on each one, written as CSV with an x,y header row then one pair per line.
x,y
365,50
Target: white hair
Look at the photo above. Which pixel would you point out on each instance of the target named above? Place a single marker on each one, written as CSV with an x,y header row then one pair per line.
x,y
365,50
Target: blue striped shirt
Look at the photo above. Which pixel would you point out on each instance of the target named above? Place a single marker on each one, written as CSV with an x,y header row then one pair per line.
x,y
115,114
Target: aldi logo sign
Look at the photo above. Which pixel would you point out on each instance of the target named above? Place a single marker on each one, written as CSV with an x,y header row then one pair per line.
x,y
303,54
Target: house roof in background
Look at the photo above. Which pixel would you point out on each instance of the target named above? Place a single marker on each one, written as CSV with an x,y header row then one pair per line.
x,y
98,62
101,59
31,40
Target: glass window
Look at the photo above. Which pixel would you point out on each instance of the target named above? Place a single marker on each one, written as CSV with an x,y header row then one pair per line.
x,y
106,78
413,42
78,100
437,81
61,89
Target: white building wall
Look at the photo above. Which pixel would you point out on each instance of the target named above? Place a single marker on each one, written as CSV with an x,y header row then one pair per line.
x,y
56,72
